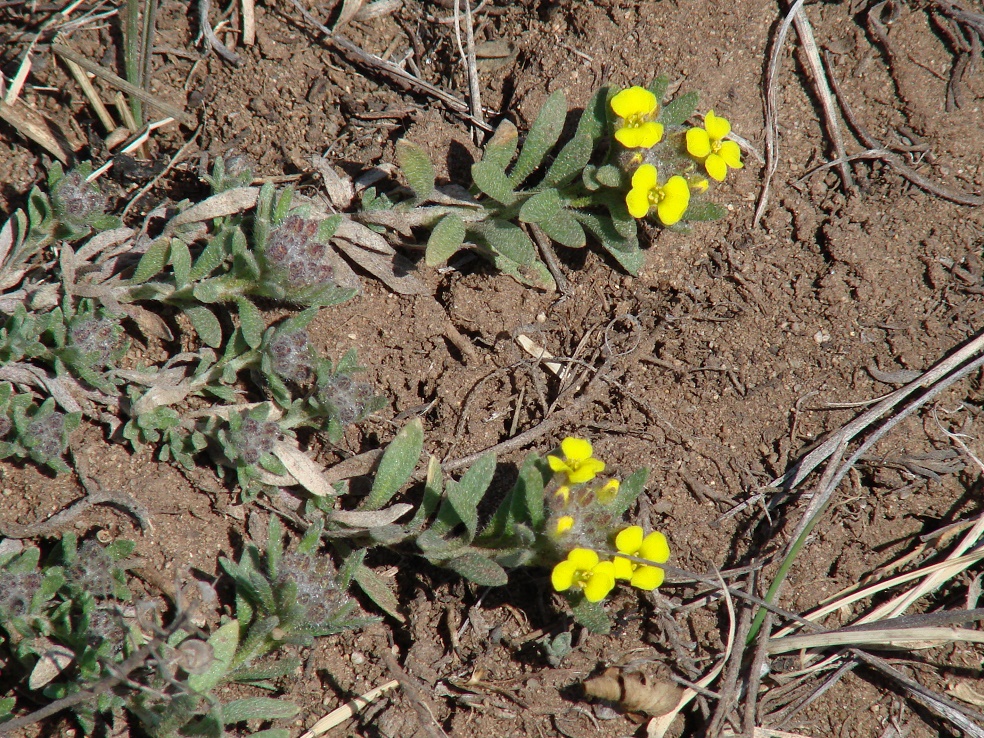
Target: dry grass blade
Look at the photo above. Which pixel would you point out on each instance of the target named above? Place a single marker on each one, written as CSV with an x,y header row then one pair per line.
x,y
34,126
116,81
772,112
350,708
468,57
907,638
805,32
853,594
249,22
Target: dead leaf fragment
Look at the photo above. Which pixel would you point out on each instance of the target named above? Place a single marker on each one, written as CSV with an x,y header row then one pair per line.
x,y
633,692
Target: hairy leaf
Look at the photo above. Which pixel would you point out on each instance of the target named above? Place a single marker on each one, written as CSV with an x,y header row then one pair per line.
x,y
564,229
479,569
491,180
152,261
396,466
257,708
417,168
677,112
543,135
206,325
446,238
570,161
501,148
180,262
507,239
541,206
378,591
223,642
251,322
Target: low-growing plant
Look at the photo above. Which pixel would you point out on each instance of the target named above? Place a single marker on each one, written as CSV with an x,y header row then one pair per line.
x,y
629,158
561,513
70,322
72,627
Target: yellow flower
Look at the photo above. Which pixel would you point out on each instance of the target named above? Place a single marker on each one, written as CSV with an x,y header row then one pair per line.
x,y
636,106
671,200
708,145
653,547
563,492
583,569
578,463
564,524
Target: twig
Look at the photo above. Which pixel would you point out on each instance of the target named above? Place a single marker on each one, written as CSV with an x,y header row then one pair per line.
x,y
468,57
178,156
755,677
772,112
728,685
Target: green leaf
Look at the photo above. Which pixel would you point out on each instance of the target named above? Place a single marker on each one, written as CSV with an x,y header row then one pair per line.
x,y
465,495
704,210
507,239
271,733
570,162
543,135
257,708
433,494
678,111
501,148
378,591
396,466
7,705
532,275
541,206
417,168
625,250
479,569
609,175
446,238
180,262
223,643
152,261
659,87
208,261
206,325
591,615
251,322
628,491
491,180
594,119
565,230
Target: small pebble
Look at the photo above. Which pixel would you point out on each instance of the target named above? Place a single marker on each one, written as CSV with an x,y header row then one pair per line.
x,y
357,658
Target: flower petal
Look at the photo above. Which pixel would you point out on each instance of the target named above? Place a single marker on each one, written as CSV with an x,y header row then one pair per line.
x,y
586,471
731,153
698,142
650,134
557,464
562,576
655,548
564,493
637,202
717,127
676,200
647,577
634,101
584,559
716,168
600,583
623,568
629,539
644,178
576,449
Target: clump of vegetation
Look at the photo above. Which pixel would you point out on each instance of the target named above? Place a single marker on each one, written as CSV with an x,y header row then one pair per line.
x,y
630,158
76,633
67,328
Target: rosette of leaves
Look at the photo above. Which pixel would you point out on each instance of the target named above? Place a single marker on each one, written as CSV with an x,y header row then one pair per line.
x,y
88,343
38,432
563,190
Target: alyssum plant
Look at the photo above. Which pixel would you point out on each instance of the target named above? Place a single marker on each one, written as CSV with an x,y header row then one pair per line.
x,y
562,513
629,158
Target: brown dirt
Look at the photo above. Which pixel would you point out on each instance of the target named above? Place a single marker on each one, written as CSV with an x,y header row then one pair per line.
x,y
746,334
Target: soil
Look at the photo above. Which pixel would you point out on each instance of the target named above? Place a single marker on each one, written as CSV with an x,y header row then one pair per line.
x,y
751,341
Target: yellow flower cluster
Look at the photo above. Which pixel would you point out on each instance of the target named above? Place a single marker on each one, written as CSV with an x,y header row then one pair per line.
x,y
578,465
584,568
669,197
